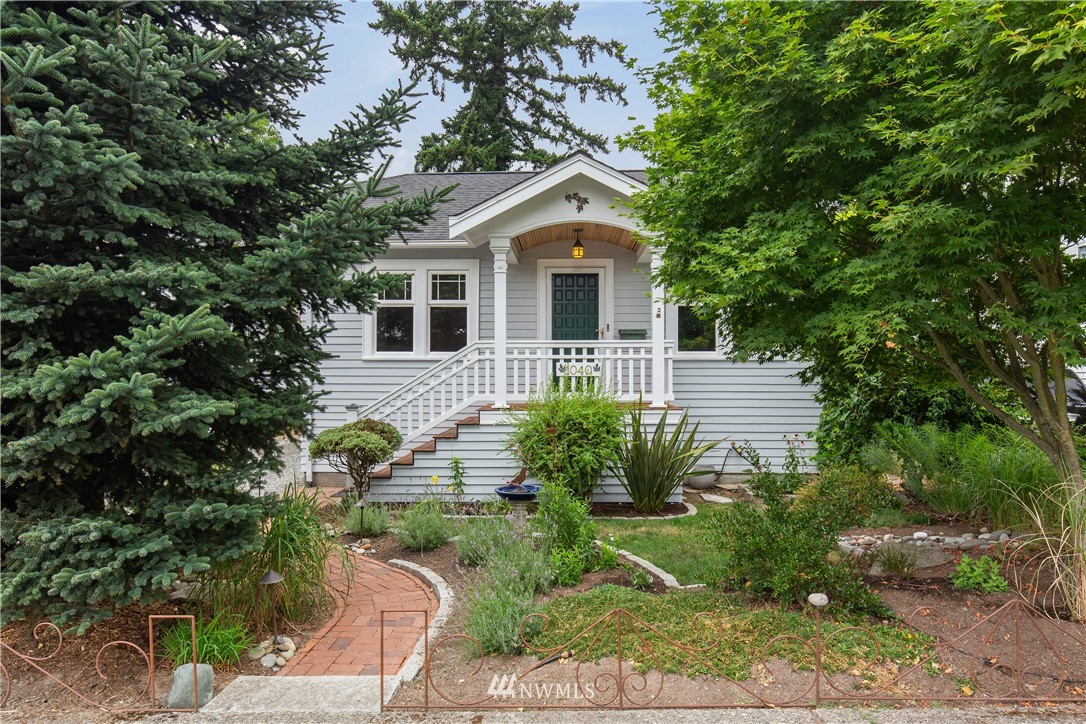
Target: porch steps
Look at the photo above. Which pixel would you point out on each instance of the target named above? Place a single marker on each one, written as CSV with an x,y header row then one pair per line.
x,y
427,443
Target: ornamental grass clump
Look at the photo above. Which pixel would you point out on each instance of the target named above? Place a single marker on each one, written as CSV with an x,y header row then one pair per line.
x,y
294,543
220,640
652,467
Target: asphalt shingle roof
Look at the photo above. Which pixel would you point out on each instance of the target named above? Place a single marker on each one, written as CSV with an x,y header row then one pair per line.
x,y
473,189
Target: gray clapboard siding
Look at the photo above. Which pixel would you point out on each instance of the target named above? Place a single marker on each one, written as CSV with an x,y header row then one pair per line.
x,y
487,465
351,379
746,401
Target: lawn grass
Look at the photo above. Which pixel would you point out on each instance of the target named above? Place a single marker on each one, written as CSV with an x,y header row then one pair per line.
x,y
674,544
734,634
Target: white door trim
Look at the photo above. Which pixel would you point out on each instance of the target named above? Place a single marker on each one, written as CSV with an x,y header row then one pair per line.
x,y
546,268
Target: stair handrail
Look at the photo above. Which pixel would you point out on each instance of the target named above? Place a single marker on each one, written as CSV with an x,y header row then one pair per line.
x,y
410,390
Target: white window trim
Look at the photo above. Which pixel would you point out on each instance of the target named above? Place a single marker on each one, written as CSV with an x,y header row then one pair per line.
x,y
422,269
547,268
671,318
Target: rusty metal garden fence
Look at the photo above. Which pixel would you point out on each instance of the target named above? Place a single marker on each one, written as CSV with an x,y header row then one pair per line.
x,y
1012,655
37,665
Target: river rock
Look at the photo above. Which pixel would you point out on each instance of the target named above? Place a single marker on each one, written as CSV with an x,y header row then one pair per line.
x,y
180,696
919,535
267,661
256,652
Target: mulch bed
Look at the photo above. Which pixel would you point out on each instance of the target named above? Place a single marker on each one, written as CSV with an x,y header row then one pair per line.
x,y
74,664
34,695
626,510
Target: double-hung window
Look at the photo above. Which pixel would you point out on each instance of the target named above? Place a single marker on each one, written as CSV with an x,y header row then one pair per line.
x,y
395,318
432,311
696,334
448,311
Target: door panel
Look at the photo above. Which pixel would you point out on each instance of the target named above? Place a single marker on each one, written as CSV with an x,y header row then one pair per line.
x,y
575,306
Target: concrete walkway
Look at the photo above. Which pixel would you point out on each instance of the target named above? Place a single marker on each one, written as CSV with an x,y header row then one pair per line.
x,y
349,644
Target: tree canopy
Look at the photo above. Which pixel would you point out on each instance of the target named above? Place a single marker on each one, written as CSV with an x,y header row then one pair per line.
x,y
167,263
846,181
508,57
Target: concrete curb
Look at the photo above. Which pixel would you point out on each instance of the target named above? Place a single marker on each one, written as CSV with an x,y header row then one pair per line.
x,y
690,510
669,580
445,599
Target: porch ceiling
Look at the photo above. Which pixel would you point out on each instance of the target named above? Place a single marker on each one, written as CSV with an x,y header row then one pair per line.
x,y
564,232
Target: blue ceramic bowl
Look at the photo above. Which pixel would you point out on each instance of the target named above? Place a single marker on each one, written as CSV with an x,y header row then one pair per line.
x,y
518,492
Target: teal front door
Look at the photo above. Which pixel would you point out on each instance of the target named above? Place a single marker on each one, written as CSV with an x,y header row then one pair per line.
x,y
575,306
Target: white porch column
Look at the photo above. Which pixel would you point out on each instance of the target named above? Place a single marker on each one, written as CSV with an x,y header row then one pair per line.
x,y
499,247
659,370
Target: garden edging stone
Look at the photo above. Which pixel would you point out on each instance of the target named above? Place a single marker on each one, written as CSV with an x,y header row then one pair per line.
x,y
669,580
445,600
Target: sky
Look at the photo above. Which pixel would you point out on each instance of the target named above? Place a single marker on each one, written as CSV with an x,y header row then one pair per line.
x,y
360,68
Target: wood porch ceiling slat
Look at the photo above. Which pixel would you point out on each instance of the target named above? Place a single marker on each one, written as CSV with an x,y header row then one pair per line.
x,y
564,232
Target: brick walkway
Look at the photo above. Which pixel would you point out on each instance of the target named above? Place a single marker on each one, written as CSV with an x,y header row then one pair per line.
x,y
349,644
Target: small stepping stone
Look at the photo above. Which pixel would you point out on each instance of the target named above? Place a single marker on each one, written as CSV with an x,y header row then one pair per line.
x,y
709,498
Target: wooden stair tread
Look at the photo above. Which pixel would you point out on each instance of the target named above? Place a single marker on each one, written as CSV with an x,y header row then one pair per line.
x,y
473,420
450,434
408,459
428,446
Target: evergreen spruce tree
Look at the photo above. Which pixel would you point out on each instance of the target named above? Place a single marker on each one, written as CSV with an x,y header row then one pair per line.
x,y
508,57
163,253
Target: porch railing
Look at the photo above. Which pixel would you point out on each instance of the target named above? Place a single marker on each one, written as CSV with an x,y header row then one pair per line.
x,y
438,393
624,368
467,378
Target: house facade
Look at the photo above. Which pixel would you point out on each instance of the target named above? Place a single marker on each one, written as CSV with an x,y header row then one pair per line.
x,y
521,279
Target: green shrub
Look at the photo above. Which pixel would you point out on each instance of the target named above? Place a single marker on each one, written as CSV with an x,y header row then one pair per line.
x,y
563,519
606,558
221,640
372,522
355,448
422,527
480,539
853,491
980,575
568,436
783,552
652,467
640,578
295,544
766,483
568,566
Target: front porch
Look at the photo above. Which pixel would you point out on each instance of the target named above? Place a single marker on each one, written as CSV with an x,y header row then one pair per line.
x,y
481,375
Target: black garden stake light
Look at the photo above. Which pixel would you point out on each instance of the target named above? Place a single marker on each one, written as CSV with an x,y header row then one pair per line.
x,y
270,579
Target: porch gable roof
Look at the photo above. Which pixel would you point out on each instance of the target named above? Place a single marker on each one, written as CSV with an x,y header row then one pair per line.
x,y
623,183
474,191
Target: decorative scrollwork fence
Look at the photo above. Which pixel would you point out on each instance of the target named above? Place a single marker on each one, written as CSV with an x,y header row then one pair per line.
x,y
145,701
988,660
